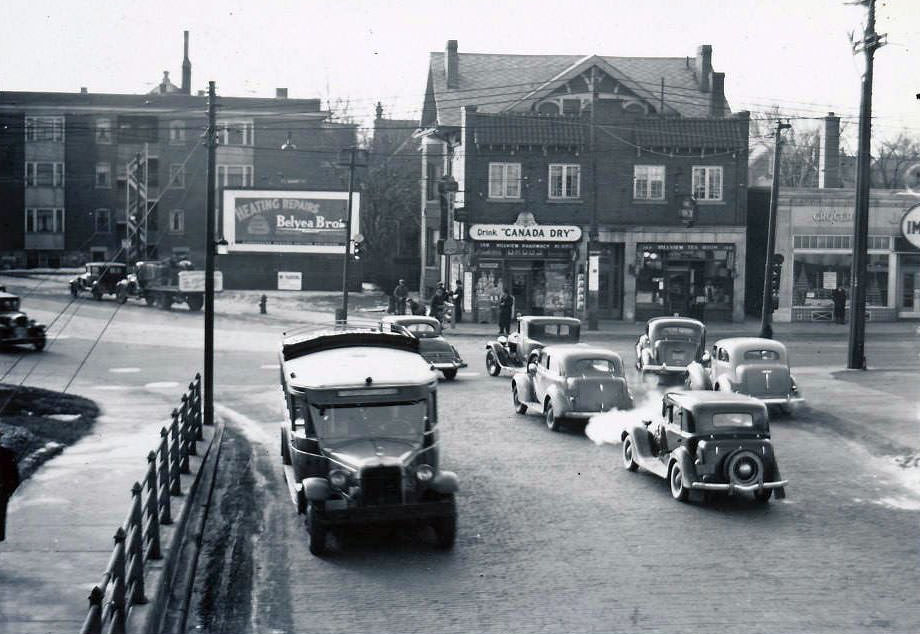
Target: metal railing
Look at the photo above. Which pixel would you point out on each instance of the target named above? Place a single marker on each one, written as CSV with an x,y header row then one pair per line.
x,y
137,540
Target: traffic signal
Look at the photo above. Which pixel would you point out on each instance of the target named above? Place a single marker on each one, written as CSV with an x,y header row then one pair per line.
x,y
776,273
357,248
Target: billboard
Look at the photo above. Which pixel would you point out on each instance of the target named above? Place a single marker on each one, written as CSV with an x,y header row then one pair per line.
x,y
266,220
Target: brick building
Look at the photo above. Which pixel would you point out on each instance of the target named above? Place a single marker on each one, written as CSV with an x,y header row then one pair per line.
x,y
609,186
63,167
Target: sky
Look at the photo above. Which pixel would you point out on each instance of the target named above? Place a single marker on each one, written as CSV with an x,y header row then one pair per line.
x,y
792,53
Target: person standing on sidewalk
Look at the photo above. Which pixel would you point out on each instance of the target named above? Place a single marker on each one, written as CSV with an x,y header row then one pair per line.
x,y
9,480
436,308
400,294
839,297
458,302
505,309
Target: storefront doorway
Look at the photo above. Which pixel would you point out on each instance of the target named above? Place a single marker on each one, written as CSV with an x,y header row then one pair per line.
x,y
909,304
610,283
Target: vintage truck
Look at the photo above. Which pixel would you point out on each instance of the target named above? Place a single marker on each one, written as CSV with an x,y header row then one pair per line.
x,y
163,283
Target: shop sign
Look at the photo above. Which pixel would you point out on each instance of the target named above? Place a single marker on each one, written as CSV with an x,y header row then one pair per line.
x,y
910,226
525,233
540,251
594,272
290,280
831,216
682,246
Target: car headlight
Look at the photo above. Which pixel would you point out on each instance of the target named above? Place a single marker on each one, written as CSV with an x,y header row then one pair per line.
x,y
424,473
338,479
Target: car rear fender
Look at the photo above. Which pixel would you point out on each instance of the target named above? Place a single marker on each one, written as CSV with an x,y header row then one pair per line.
x,y
524,384
685,461
699,378
556,396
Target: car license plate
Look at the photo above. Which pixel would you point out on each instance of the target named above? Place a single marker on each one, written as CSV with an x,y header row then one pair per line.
x,y
678,356
19,333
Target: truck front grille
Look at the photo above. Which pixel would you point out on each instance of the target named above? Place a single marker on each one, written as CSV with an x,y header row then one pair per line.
x,y
381,485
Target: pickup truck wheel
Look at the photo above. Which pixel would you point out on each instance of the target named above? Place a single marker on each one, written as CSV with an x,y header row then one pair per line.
x,y
97,293
678,491
149,298
450,374
39,344
445,530
519,407
492,366
763,496
629,458
74,291
316,530
551,421
195,302
121,295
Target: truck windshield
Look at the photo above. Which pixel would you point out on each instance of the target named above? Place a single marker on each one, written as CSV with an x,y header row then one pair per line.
x,y
401,421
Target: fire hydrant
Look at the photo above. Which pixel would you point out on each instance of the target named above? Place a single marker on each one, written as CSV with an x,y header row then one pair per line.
x,y
263,304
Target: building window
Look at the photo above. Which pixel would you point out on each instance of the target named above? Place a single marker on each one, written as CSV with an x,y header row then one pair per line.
x,y
234,176
44,174
177,221
820,242
103,175
102,221
707,183
103,131
504,180
44,220
648,182
45,129
177,176
431,181
176,132
235,132
431,255
564,181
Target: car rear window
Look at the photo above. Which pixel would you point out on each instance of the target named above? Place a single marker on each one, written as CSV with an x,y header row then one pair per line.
x,y
761,355
591,367
678,331
422,330
560,332
9,304
732,419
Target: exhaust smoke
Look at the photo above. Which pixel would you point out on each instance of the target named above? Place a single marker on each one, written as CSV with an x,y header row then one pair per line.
x,y
608,428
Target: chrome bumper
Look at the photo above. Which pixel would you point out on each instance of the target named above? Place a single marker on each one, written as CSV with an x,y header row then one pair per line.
x,y
782,400
665,368
731,488
453,365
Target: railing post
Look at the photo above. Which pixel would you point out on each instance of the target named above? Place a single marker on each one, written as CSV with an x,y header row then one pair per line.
x,y
163,486
93,622
183,436
195,397
152,508
198,396
118,584
136,547
175,486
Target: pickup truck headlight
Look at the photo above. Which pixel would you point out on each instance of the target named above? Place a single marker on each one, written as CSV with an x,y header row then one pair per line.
x,y
424,473
338,479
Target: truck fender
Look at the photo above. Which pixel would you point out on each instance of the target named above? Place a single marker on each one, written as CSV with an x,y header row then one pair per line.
x,y
685,461
697,377
445,482
642,442
316,489
524,385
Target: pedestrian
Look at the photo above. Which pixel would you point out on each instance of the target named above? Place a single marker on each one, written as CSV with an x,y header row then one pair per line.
x,y
416,307
436,308
401,293
458,302
9,480
505,309
839,297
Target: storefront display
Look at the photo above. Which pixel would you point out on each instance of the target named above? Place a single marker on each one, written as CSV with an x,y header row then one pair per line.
x,y
691,279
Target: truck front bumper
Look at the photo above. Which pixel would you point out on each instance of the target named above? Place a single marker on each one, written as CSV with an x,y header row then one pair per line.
x,y
419,511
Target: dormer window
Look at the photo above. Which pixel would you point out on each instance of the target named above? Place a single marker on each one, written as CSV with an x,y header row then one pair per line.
x,y
571,107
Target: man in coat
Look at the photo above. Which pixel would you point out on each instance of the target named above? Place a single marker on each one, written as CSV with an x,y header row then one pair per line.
x,y
9,480
505,309
458,302
400,294
839,297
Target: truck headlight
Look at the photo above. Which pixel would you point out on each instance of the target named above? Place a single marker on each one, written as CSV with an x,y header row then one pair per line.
x,y
424,473
338,479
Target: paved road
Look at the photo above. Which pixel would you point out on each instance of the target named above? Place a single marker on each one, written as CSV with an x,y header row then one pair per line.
x,y
555,536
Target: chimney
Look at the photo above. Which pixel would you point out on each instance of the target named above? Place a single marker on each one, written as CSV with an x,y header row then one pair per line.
x,y
829,156
83,90
703,66
165,82
379,110
452,65
186,69
280,93
717,96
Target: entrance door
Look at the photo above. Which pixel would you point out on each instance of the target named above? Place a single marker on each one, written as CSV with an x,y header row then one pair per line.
x,y
678,291
610,279
909,305
520,281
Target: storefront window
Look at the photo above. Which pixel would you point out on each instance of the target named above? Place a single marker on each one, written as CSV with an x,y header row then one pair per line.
x,y
816,275
695,280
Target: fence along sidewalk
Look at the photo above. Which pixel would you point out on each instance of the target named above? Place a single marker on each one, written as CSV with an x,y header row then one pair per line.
x,y
137,540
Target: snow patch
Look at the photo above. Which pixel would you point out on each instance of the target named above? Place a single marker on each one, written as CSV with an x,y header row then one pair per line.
x,y
124,370
160,385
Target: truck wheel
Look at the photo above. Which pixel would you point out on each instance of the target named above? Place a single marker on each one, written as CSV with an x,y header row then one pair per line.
x,y
195,302
316,531
149,298
445,529
519,407
39,344
97,293
121,295
492,366
74,291
551,421
678,491
629,457
450,374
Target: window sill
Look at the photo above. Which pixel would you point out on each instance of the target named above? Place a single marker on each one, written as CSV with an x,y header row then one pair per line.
x,y
505,200
711,202
649,201
565,201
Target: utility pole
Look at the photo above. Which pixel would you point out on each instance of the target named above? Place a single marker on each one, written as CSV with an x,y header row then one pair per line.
x,y
766,310
593,232
856,357
209,247
356,158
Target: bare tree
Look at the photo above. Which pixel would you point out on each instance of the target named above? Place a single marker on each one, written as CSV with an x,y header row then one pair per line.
x,y
892,160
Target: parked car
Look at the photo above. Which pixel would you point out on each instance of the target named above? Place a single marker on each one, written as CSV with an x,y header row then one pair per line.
x,y
15,326
707,441
531,333
748,365
431,343
570,382
99,278
669,344
359,442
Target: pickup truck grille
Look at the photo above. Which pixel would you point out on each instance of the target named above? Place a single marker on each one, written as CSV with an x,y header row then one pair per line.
x,y
381,485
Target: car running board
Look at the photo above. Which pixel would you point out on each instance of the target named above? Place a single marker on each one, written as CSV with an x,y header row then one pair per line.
x,y
654,465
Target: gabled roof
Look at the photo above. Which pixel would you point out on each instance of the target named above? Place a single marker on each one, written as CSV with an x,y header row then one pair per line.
x,y
496,83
